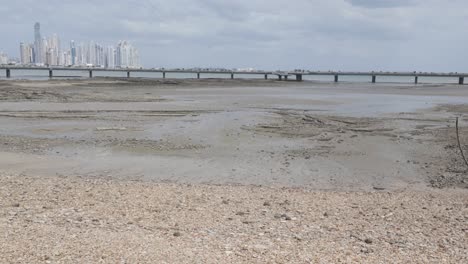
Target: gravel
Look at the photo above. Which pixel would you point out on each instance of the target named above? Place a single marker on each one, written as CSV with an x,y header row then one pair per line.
x,y
90,220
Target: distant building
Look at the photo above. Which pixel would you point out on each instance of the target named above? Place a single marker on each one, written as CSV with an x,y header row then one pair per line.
x,y
23,52
73,52
110,57
37,43
3,58
26,53
127,56
53,48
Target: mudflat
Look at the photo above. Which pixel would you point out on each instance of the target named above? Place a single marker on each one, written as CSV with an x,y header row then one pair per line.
x,y
138,170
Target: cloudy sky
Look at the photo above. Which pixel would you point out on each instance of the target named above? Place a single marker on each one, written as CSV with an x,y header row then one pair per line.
x,y
397,35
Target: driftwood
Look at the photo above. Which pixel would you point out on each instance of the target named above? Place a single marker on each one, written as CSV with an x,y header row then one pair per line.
x,y
459,145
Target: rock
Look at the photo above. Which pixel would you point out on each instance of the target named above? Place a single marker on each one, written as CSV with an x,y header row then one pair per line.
x,y
15,205
325,214
266,204
286,217
368,241
177,234
225,202
366,250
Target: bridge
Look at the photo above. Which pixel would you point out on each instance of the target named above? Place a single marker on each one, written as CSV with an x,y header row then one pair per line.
x,y
280,75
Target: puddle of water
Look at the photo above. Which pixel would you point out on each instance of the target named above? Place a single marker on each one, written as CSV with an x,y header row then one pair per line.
x,y
373,105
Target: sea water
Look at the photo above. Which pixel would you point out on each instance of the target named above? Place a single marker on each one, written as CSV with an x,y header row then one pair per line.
x,y
43,74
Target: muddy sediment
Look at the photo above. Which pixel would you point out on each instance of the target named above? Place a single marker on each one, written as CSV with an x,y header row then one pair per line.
x,y
242,132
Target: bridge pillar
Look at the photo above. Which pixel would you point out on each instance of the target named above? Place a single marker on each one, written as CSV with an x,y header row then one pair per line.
x,y
164,75
285,77
51,74
336,78
416,79
198,75
299,77
374,78
461,80
266,76
128,74
8,73
232,75
90,74
280,77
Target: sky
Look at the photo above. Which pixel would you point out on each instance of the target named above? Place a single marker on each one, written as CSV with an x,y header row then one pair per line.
x,y
358,35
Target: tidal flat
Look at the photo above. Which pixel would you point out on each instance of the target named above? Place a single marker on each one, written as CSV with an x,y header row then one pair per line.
x,y
254,171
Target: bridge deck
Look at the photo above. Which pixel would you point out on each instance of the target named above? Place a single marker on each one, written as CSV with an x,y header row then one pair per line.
x,y
281,74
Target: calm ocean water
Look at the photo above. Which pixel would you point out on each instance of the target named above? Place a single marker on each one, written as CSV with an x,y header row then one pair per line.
x,y
44,75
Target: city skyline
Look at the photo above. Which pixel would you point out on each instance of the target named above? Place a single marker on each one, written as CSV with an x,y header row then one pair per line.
x,y
347,35
48,51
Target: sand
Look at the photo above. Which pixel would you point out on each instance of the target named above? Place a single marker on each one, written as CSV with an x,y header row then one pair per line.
x,y
146,171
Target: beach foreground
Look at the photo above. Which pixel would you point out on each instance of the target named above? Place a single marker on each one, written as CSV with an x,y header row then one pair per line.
x,y
205,171
70,220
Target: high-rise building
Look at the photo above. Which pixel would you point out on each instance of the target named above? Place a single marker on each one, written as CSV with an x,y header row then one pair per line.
x,y
3,58
37,44
110,57
23,53
26,53
43,50
73,52
127,55
53,47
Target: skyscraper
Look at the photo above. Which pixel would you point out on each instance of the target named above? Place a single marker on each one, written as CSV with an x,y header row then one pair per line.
x,y
73,52
23,53
37,44
127,56
26,53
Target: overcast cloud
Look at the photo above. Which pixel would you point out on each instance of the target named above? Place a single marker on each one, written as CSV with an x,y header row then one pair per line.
x,y
422,35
